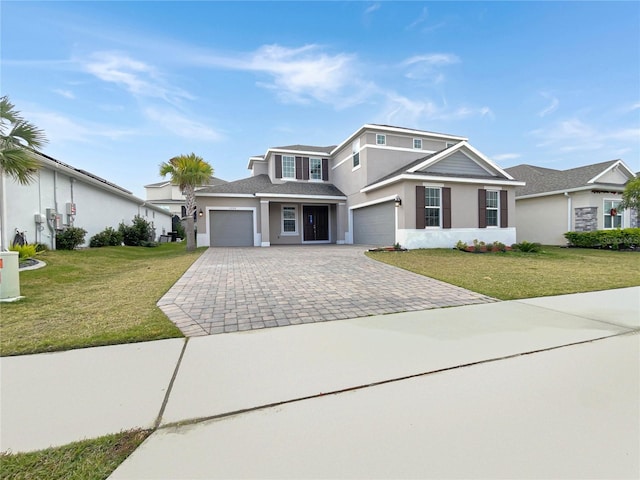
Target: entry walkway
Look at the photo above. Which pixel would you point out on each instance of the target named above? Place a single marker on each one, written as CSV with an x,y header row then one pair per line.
x,y
236,289
539,388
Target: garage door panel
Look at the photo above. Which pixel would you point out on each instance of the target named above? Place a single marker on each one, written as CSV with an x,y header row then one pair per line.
x,y
231,228
375,225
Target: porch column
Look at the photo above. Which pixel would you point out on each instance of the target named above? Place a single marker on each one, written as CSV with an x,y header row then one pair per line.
x,y
264,223
341,222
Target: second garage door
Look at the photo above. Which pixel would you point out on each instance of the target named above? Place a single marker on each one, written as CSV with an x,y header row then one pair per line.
x,y
375,225
231,228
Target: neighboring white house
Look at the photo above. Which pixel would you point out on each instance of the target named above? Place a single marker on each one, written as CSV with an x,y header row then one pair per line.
x,y
170,197
64,196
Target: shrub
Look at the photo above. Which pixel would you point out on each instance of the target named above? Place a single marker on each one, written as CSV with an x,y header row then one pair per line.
x,y
107,238
498,247
41,247
140,231
24,251
527,247
180,231
612,239
461,245
70,238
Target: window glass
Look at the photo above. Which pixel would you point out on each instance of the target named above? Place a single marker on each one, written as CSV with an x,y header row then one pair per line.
x,y
288,167
612,214
432,206
492,208
355,150
417,143
381,139
289,220
315,169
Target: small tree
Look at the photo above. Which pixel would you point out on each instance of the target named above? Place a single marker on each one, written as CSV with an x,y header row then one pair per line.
x,y
631,195
189,172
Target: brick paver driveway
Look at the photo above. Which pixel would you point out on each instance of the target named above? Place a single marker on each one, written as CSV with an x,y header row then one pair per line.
x,y
231,289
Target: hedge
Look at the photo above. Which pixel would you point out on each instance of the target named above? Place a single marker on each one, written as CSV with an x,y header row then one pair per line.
x,y
611,239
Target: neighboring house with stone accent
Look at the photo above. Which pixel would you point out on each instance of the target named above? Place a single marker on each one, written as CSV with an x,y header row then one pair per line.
x,y
380,186
581,199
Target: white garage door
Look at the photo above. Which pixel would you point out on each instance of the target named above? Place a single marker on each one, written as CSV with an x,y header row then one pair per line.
x,y
375,225
231,228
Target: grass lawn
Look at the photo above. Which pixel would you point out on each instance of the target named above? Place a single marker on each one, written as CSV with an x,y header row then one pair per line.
x,y
513,275
91,297
87,460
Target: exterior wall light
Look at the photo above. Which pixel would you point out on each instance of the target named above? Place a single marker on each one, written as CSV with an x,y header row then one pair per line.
x,y
200,213
398,201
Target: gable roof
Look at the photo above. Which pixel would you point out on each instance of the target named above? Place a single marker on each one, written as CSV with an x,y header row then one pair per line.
x,y
419,169
261,185
547,181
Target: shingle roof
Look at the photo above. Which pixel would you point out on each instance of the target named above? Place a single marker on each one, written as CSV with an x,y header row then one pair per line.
x,y
541,180
262,184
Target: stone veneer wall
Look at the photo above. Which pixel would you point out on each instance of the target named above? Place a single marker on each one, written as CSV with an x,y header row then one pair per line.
x,y
586,219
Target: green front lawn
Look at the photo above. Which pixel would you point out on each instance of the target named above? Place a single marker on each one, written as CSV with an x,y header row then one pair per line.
x,y
513,275
91,297
86,460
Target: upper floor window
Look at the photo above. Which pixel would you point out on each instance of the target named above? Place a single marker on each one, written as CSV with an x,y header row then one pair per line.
x,y
315,169
381,139
612,214
417,143
493,207
450,144
355,150
432,205
288,167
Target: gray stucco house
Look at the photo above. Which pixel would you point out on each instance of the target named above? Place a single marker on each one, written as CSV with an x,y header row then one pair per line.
x,y
580,199
380,186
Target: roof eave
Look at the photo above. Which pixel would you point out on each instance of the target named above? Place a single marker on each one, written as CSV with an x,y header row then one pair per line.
x,y
440,179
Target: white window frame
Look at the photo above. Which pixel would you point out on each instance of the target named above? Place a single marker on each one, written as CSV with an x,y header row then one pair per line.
x,y
293,159
319,160
606,213
417,141
295,219
431,207
355,151
496,208
381,139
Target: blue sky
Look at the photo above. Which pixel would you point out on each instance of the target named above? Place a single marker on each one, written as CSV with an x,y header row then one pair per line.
x,y
120,87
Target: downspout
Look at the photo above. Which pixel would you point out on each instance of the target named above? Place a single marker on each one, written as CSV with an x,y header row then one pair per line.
x,y
566,194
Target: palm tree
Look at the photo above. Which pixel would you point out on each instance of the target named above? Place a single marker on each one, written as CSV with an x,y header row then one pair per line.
x,y
15,134
189,172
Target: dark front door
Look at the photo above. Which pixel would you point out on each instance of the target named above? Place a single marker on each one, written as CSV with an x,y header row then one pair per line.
x,y
316,223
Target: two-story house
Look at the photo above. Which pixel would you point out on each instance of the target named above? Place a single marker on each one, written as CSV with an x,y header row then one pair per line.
x,y
380,186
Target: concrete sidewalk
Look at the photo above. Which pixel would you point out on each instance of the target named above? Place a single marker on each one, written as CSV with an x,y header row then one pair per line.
x,y
399,397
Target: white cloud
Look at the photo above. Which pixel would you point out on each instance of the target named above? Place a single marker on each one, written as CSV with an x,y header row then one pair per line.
x,y
506,156
59,128
64,93
137,77
297,74
181,125
426,67
424,14
372,8
573,135
402,110
552,107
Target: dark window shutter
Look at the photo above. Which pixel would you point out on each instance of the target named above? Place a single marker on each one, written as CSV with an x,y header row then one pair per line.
x,y
482,208
305,168
446,207
278,166
504,209
420,213
325,169
299,168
